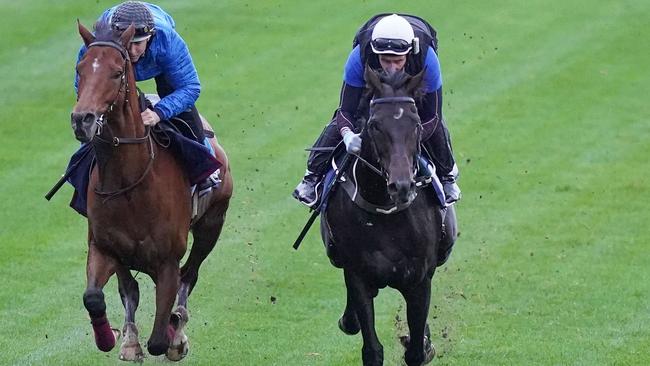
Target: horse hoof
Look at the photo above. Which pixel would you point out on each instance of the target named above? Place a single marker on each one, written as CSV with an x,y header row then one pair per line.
x,y
429,350
130,350
179,351
156,349
349,329
132,353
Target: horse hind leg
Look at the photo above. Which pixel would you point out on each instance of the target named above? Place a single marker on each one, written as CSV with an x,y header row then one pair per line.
x,y
130,350
179,346
205,232
99,268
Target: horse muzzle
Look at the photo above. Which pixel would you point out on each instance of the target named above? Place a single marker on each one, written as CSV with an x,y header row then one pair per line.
x,y
84,125
402,191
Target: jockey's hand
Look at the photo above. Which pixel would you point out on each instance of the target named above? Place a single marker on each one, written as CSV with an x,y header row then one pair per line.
x,y
352,141
150,117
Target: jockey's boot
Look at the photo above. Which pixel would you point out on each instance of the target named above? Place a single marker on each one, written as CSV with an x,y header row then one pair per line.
x,y
210,183
439,148
450,187
307,190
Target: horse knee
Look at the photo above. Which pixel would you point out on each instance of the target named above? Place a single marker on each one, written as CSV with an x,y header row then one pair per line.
x,y
94,303
349,324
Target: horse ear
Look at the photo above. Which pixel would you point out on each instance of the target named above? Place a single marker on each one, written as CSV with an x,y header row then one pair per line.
x,y
127,35
414,82
87,37
372,79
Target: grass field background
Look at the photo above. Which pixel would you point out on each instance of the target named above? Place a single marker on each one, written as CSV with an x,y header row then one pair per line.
x,y
547,103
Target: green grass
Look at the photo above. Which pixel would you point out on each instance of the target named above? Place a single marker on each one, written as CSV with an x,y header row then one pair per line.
x,y
547,105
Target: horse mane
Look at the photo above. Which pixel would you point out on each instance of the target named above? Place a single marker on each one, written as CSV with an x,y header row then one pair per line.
x,y
104,32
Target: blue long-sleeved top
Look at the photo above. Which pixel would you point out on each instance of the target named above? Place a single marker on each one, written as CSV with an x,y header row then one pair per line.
x,y
166,56
429,108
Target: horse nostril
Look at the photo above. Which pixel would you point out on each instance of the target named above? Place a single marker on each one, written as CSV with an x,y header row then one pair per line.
x,y
89,118
392,188
83,118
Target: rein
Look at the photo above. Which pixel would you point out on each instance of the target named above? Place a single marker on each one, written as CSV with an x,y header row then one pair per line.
x,y
117,141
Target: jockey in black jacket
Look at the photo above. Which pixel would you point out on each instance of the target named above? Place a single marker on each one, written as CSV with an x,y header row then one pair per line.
x,y
388,43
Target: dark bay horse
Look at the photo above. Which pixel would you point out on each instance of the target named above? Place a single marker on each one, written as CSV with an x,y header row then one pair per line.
x,y
391,233
139,203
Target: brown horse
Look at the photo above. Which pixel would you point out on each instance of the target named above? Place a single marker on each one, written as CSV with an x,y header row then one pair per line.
x,y
139,203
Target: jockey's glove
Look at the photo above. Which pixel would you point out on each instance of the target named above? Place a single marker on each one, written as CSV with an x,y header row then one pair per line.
x,y
351,140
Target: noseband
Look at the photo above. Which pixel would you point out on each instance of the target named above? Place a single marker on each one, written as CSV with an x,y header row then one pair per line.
x,y
116,141
388,100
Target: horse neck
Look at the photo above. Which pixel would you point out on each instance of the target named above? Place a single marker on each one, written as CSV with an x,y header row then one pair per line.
x,y
128,120
126,161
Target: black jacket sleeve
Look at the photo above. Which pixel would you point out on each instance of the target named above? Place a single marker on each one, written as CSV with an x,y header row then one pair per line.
x,y
430,113
349,102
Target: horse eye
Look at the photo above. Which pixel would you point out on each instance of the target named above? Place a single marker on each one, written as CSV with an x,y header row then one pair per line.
x,y
117,75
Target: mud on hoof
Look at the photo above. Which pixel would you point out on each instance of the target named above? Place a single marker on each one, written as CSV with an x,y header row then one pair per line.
x,y
132,353
179,348
349,326
130,350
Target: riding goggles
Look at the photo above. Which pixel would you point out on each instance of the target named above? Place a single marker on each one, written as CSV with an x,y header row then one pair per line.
x,y
398,46
142,31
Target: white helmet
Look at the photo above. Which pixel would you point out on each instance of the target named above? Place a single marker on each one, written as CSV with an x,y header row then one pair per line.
x,y
392,35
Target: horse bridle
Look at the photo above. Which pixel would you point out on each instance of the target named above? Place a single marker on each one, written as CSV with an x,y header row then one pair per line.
x,y
117,141
386,100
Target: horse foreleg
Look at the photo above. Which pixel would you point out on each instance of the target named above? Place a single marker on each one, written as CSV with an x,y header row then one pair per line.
x,y
349,322
419,349
99,268
362,297
167,281
130,350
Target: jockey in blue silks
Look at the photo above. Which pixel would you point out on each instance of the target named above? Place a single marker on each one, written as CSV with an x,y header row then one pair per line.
x,y
387,43
158,51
